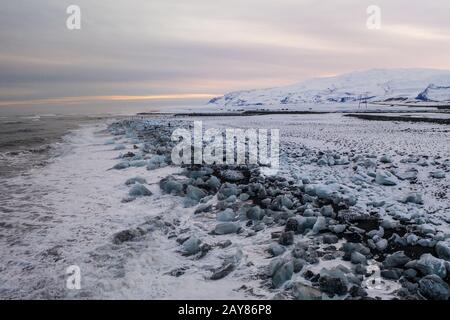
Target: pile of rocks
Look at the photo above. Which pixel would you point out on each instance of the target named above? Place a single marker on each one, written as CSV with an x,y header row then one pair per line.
x,y
308,224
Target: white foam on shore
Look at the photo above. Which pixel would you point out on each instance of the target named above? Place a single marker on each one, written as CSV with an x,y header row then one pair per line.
x,y
74,204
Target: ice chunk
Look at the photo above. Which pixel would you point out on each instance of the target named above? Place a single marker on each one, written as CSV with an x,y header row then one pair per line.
x,y
138,190
438,174
135,180
385,178
156,162
191,246
443,250
413,197
226,228
122,165
195,193
428,264
434,288
282,274
119,147
226,215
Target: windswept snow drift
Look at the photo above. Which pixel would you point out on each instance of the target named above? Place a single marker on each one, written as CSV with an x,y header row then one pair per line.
x,y
393,85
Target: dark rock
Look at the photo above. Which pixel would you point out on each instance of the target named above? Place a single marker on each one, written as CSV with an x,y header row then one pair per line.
x,y
292,224
434,288
286,238
391,274
178,272
309,275
223,271
204,207
276,234
129,154
411,287
266,202
410,274
182,239
353,236
330,239
281,202
309,254
397,259
224,244
204,249
232,175
299,264
255,213
360,269
356,291
333,281
125,236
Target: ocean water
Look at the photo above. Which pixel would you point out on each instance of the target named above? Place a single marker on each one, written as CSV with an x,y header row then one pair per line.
x,y
102,108
32,135
30,141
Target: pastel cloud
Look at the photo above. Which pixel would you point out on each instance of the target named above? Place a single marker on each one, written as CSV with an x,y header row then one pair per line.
x,y
197,48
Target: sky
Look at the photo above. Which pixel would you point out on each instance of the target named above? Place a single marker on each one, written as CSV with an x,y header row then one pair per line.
x,y
196,49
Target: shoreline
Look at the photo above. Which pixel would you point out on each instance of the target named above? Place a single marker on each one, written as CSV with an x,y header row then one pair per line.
x,y
257,112
377,117
163,244
28,142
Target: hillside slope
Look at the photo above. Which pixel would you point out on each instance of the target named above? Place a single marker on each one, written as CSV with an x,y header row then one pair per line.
x,y
381,85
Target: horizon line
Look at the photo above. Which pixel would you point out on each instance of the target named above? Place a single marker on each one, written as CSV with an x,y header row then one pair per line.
x,y
78,99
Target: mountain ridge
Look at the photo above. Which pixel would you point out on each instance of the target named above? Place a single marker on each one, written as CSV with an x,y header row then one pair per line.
x,y
406,85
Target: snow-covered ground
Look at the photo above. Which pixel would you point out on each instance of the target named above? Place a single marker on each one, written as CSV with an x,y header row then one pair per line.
x,y
68,212
420,146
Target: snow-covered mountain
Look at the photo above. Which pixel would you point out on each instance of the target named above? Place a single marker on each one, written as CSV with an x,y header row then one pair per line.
x,y
377,85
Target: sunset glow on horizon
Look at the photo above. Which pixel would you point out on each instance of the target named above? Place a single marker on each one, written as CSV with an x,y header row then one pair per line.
x,y
69,100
